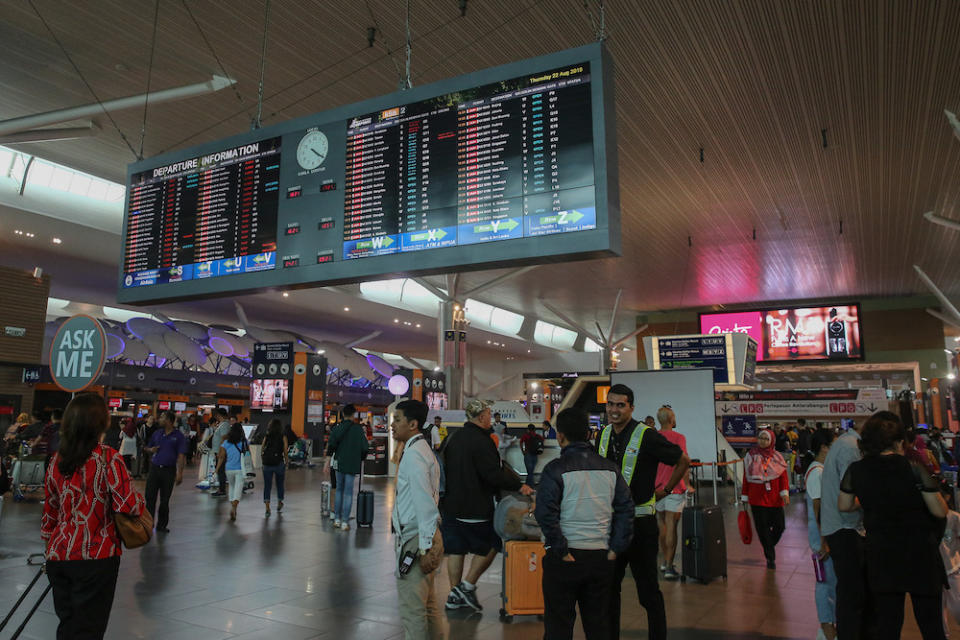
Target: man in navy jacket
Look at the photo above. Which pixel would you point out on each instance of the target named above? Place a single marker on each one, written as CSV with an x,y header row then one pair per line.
x,y
585,511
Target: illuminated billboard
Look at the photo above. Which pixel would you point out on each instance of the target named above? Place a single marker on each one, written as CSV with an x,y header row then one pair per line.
x,y
831,332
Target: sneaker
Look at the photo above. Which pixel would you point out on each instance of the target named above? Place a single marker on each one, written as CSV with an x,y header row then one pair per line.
x,y
454,601
663,568
336,524
671,574
469,596
344,526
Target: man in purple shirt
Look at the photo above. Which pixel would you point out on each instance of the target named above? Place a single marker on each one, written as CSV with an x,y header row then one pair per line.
x,y
168,446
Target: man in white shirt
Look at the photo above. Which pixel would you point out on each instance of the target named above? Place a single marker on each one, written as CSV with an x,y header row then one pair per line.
x,y
415,522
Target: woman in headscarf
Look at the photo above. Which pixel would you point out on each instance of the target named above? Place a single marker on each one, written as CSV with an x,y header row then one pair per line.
x,y
766,487
915,450
128,443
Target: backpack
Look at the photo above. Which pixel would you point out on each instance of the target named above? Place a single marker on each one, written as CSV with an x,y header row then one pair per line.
x,y
272,452
538,445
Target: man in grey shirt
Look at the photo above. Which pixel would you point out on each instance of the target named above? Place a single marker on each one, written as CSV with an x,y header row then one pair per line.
x,y
843,535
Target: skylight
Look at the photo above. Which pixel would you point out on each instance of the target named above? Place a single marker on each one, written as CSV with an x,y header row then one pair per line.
x,y
51,175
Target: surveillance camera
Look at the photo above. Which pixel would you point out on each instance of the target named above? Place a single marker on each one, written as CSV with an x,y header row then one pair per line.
x,y
37,273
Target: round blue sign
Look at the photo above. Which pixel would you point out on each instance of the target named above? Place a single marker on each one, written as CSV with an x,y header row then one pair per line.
x,y
77,353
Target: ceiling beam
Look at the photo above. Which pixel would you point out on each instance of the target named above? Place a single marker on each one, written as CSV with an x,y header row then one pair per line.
x,y
498,280
941,296
24,123
946,222
435,290
47,135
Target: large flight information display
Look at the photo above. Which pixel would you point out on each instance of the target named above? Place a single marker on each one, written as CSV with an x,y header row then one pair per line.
x,y
205,217
503,167
498,162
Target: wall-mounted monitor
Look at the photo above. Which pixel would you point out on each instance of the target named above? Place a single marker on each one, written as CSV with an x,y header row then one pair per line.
x,y
270,395
502,167
829,332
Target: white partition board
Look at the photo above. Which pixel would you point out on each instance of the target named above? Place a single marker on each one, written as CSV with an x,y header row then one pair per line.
x,y
689,392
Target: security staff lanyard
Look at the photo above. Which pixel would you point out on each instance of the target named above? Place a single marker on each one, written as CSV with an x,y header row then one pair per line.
x,y
629,462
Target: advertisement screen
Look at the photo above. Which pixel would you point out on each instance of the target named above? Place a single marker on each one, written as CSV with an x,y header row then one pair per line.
x,y
807,333
270,395
814,333
748,322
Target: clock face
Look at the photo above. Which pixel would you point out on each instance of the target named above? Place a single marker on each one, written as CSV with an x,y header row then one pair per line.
x,y
312,150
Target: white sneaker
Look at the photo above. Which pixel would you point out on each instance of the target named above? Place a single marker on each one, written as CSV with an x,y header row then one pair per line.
x,y
336,524
821,635
344,526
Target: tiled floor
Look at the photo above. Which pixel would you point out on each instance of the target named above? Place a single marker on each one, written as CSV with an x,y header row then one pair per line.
x,y
292,576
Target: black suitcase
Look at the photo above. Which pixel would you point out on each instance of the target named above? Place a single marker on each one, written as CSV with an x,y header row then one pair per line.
x,y
365,509
704,544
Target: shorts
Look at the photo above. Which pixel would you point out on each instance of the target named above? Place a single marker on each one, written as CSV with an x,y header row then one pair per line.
x,y
673,503
461,538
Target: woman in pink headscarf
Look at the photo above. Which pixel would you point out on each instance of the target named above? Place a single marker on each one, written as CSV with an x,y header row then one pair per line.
x,y
766,487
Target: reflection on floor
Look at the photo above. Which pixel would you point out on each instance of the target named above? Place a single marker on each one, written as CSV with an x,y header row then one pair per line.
x,y
292,576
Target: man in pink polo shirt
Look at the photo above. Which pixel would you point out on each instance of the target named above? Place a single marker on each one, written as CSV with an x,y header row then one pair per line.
x,y
669,506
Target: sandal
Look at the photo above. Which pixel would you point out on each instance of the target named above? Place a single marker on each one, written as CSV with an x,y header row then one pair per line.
x,y
268,508
280,505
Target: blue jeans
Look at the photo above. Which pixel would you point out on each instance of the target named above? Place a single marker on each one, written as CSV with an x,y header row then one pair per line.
x,y
530,462
825,594
344,500
269,471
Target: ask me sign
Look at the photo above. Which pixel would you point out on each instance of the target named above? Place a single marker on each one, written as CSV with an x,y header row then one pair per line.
x,y
77,353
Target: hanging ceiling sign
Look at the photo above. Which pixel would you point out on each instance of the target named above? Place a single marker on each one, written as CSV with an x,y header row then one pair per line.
x,y
502,167
77,353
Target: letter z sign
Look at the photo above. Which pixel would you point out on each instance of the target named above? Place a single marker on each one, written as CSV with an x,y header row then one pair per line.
x,y
77,353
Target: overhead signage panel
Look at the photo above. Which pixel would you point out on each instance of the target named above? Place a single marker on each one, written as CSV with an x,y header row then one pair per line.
x,y
696,352
506,166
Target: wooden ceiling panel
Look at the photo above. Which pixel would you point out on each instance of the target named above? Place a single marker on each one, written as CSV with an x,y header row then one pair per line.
x,y
758,84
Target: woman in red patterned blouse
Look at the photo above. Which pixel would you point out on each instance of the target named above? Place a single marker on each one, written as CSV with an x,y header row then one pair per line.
x,y
86,484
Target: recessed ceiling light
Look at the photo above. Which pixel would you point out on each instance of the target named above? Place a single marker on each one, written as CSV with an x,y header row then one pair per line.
x,y
346,308
18,232
488,341
418,325
320,352
436,368
29,235
286,295
57,241
396,320
528,350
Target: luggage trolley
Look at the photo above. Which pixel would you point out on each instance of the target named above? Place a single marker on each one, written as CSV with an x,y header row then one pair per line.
x,y
34,559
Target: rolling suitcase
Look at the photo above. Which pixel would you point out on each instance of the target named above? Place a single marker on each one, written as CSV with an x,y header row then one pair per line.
x,y
704,544
326,499
33,560
364,505
522,590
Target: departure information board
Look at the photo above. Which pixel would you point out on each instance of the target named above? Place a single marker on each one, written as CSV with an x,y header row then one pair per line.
x,y
499,162
209,216
503,167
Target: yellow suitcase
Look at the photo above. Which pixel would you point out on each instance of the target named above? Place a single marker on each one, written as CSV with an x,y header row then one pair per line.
x,y
522,590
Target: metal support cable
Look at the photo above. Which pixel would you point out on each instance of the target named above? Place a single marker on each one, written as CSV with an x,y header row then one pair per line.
x,y
263,65
146,96
407,82
82,78
213,52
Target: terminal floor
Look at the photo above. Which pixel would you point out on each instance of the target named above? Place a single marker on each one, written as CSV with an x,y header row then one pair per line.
x,y
293,576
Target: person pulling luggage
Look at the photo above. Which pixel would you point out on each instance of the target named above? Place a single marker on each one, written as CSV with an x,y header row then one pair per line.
x,y
637,450
348,442
585,512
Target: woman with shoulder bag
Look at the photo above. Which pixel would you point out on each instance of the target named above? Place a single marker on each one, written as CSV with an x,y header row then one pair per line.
x,y
766,488
230,457
274,458
87,485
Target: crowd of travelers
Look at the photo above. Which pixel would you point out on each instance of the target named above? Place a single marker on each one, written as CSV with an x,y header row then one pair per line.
x,y
611,500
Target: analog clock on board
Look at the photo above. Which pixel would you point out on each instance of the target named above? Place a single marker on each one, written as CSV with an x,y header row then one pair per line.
x,y
312,150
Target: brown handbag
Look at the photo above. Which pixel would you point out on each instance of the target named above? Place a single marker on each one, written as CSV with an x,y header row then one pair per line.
x,y
135,531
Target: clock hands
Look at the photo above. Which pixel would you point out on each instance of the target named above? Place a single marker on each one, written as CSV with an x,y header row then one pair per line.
x,y
316,152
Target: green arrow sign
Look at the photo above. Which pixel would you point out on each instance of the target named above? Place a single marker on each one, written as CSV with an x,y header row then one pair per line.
x,y
376,243
563,218
440,234
509,225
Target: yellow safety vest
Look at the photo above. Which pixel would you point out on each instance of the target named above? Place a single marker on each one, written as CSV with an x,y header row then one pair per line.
x,y
629,463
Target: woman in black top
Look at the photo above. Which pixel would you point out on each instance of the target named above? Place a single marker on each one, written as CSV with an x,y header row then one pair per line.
x,y
274,458
903,514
